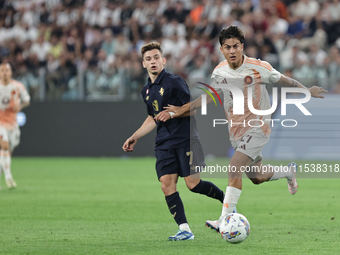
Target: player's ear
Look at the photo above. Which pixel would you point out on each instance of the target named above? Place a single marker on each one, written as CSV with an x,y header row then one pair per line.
x,y
143,64
242,44
221,50
164,60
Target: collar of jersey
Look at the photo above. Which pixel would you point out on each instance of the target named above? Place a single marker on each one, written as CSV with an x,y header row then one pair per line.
x,y
240,67
158,79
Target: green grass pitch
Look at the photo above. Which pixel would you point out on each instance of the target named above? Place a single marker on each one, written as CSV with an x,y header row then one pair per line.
x,y
116,206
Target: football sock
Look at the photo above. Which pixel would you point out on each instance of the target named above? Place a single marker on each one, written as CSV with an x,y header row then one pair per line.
x,y
185,227
176,208
6,163
279,172
209,189
230,200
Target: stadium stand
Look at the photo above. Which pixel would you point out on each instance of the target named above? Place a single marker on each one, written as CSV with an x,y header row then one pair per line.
x,y
89,50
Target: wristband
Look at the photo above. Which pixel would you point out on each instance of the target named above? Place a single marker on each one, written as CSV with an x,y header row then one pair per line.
x,y
171,114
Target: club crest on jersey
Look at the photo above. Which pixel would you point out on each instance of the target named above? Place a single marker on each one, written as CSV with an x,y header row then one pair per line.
x,y
13,92
161,91
5,100
147,91
248,80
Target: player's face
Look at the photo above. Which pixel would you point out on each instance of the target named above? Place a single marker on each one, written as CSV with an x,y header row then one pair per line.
x,y
232,51
153,61
5,72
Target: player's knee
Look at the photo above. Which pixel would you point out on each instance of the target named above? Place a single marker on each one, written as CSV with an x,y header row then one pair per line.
x,y
256,181
4,146
168,190
192,182
168,187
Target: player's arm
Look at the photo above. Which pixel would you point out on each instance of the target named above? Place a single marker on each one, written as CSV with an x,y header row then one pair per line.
x,y
23,100
148,125
315,91
24,105
187,109
168,114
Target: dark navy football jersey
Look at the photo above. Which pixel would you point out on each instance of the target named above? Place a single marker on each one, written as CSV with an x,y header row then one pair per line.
x,y
171,89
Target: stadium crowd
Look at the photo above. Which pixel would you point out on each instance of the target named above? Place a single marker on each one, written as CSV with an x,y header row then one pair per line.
x,y
73,49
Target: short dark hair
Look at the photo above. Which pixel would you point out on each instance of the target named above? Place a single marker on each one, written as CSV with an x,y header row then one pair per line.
x,y
151,46
231,32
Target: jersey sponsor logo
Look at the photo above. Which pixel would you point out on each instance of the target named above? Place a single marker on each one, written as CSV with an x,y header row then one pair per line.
x,y
224,81
248,80
155,105
147,91
161,91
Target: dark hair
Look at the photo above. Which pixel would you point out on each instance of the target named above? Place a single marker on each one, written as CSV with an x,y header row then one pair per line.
x,y
151,46
231,32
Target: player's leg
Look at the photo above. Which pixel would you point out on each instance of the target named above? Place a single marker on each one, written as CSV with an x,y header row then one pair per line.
x,y
197,185
193,157
234,188
260,173
5,158
166,167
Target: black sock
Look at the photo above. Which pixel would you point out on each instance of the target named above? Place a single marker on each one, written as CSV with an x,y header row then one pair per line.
x,y
209,189
176,207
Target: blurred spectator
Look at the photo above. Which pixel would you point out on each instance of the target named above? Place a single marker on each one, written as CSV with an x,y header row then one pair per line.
x,y
56,47
305,9
173,27
317,55
109,44
96,16
57,81
197,11
44,14
174,45
277,25
41,48
220,9
122,45
293,56
180,13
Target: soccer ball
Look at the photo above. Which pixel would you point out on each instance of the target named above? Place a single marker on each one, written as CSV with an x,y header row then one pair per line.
x,y
234,228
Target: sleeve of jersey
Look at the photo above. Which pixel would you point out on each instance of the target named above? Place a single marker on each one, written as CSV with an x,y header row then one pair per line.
x,y
274,76
216,83
24,96
269,74
181,91
147,106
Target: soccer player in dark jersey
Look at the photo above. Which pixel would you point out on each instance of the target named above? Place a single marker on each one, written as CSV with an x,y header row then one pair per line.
x,y
178,146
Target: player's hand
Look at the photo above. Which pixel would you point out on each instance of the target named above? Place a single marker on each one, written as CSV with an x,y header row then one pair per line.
x,y
163,116
176,109
129,144
315,91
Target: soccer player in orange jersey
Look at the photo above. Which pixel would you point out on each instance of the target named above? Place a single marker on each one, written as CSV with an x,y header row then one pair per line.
x,y
248,141
13,98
